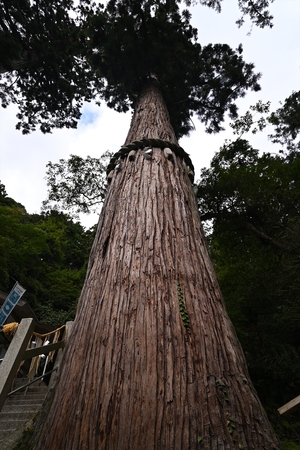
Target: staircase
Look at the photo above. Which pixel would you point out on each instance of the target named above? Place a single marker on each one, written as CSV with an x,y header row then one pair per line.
x,y
19,409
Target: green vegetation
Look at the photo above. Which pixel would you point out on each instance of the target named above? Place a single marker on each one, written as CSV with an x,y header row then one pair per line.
x,y
182,308
47,254
250,202
290,446
77,184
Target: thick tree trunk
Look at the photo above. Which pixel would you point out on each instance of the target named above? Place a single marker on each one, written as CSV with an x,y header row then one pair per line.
x,y
153,361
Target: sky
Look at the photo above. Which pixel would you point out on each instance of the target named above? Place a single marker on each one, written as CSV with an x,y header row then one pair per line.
x,y
275,53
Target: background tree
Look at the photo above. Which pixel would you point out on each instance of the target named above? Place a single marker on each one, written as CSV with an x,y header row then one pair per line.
x,y
257,10
252,202
77,184
47,254
286,122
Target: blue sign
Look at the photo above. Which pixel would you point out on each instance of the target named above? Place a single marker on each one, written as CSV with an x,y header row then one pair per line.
x,y
11,301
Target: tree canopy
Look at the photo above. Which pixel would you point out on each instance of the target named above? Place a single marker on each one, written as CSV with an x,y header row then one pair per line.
x,y
257,10
42,61
59,55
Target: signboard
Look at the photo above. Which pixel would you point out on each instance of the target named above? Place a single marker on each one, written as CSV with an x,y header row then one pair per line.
x,y
11,301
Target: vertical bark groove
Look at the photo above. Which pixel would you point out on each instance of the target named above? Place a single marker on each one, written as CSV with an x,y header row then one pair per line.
x,y
134,377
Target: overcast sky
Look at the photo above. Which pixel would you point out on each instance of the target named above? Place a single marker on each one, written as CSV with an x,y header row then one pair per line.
x,y
275,53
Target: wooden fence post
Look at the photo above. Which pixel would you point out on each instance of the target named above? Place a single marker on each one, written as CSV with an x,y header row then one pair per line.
x,y
290,407
59,356
13,357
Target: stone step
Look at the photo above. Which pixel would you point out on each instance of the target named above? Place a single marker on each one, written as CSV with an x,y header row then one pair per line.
x,y
21,381
31,388
6,434
19,407
19,402
31,391
29,395
22,416
8,438
15,424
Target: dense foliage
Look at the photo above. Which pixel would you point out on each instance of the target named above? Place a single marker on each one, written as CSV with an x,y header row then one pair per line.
x,y
252,202
257,10
47,254
77,184
42,61
57,55
208,80
286,121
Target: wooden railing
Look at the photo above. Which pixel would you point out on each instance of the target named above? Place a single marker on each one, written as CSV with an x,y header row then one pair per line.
x,y
38,358
290,407
20,350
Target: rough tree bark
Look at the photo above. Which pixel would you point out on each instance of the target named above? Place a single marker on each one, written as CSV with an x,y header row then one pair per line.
x,y
153,361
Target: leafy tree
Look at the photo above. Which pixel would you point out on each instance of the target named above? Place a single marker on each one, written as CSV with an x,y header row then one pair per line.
x,y
285,121
253,202
256,9
77,184
287,124
63,266
17,247
48,254
48,54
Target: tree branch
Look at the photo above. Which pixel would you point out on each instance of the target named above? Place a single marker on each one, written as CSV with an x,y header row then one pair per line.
x,y
263,236
267,238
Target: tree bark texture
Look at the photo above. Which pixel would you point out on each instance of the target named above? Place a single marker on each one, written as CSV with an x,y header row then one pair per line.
x,y
153,361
